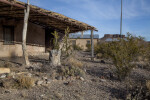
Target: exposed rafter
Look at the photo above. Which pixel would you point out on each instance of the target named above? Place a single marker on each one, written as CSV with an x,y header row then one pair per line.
x,y
15,9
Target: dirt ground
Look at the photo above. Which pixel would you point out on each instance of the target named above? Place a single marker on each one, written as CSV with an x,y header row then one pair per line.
x,y
99,83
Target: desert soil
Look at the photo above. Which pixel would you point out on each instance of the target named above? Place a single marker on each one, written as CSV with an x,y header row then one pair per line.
x,y
99,83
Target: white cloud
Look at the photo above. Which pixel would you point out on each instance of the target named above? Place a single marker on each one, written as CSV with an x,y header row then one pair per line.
x,y
110,9
100,13
103,9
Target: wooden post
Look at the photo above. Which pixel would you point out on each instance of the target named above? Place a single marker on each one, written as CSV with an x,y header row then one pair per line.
x,y
121,21
92,46
82,34
24,34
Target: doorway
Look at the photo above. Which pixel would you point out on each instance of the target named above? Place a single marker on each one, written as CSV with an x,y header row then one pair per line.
x,y
48,39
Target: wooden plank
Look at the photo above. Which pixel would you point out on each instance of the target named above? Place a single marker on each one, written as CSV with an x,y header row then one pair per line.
x,y
4,70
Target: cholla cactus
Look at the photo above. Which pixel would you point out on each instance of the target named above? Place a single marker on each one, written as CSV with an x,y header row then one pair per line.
x,y
55,40
67,45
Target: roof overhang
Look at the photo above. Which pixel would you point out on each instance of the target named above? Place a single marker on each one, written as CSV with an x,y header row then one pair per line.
x,y
15,9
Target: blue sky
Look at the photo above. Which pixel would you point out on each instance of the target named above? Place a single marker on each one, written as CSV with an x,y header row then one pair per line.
x,y
104,14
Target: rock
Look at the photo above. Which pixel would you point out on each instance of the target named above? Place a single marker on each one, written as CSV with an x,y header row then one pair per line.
x,y
12,74
29,75
39,82
7,91
44,78
84,70
102,80
128,97
64,78
93,80
102,61
42,95
59,78
81,78
4,70
68,83
99,55
30,68
3,76
48,81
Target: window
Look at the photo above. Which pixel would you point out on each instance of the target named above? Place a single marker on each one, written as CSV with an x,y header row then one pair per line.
x,y
88,42
8,35
73,42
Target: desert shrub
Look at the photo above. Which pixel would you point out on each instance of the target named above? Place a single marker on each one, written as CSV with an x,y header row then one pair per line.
x,y
20,82
122,53
74,62
98,55
71,61
148,84
88,46
7,64
76,47
102,49
138,92
25,82
70,71
9,83
147,54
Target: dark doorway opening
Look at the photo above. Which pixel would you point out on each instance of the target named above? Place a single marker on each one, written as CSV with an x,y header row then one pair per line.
x,y
48,39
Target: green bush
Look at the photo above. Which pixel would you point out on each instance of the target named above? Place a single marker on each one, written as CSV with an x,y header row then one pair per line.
x,y
88,47
76,47
102,49
122,53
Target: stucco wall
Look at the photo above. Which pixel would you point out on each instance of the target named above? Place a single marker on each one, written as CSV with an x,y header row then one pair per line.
x,y
35,39
82,42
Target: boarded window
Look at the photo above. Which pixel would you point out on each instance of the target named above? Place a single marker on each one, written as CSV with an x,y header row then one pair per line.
x,y
88,42
73,42
8,35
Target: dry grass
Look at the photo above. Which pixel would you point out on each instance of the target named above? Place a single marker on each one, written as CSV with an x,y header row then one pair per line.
x,y
74,62
99,55
148,84
58,95
68,71
6,64
9,83
25,82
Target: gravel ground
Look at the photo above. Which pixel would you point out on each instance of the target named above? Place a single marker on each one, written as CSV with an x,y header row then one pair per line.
x,y
99,84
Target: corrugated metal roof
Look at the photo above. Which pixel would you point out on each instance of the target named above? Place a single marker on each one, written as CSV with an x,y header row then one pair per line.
x,y
86,36
113,39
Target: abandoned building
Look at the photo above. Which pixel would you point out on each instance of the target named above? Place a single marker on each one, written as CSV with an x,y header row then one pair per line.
x,y
83,40
40,26
111,37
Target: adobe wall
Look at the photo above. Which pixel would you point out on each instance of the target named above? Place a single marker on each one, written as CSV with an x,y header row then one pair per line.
x,y
35,39
82,42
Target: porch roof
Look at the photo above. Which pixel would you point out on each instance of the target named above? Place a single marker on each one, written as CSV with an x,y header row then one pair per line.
x,y
45,18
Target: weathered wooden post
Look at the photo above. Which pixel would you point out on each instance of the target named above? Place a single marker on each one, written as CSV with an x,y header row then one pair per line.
x,y
24,34
82,34
92,46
